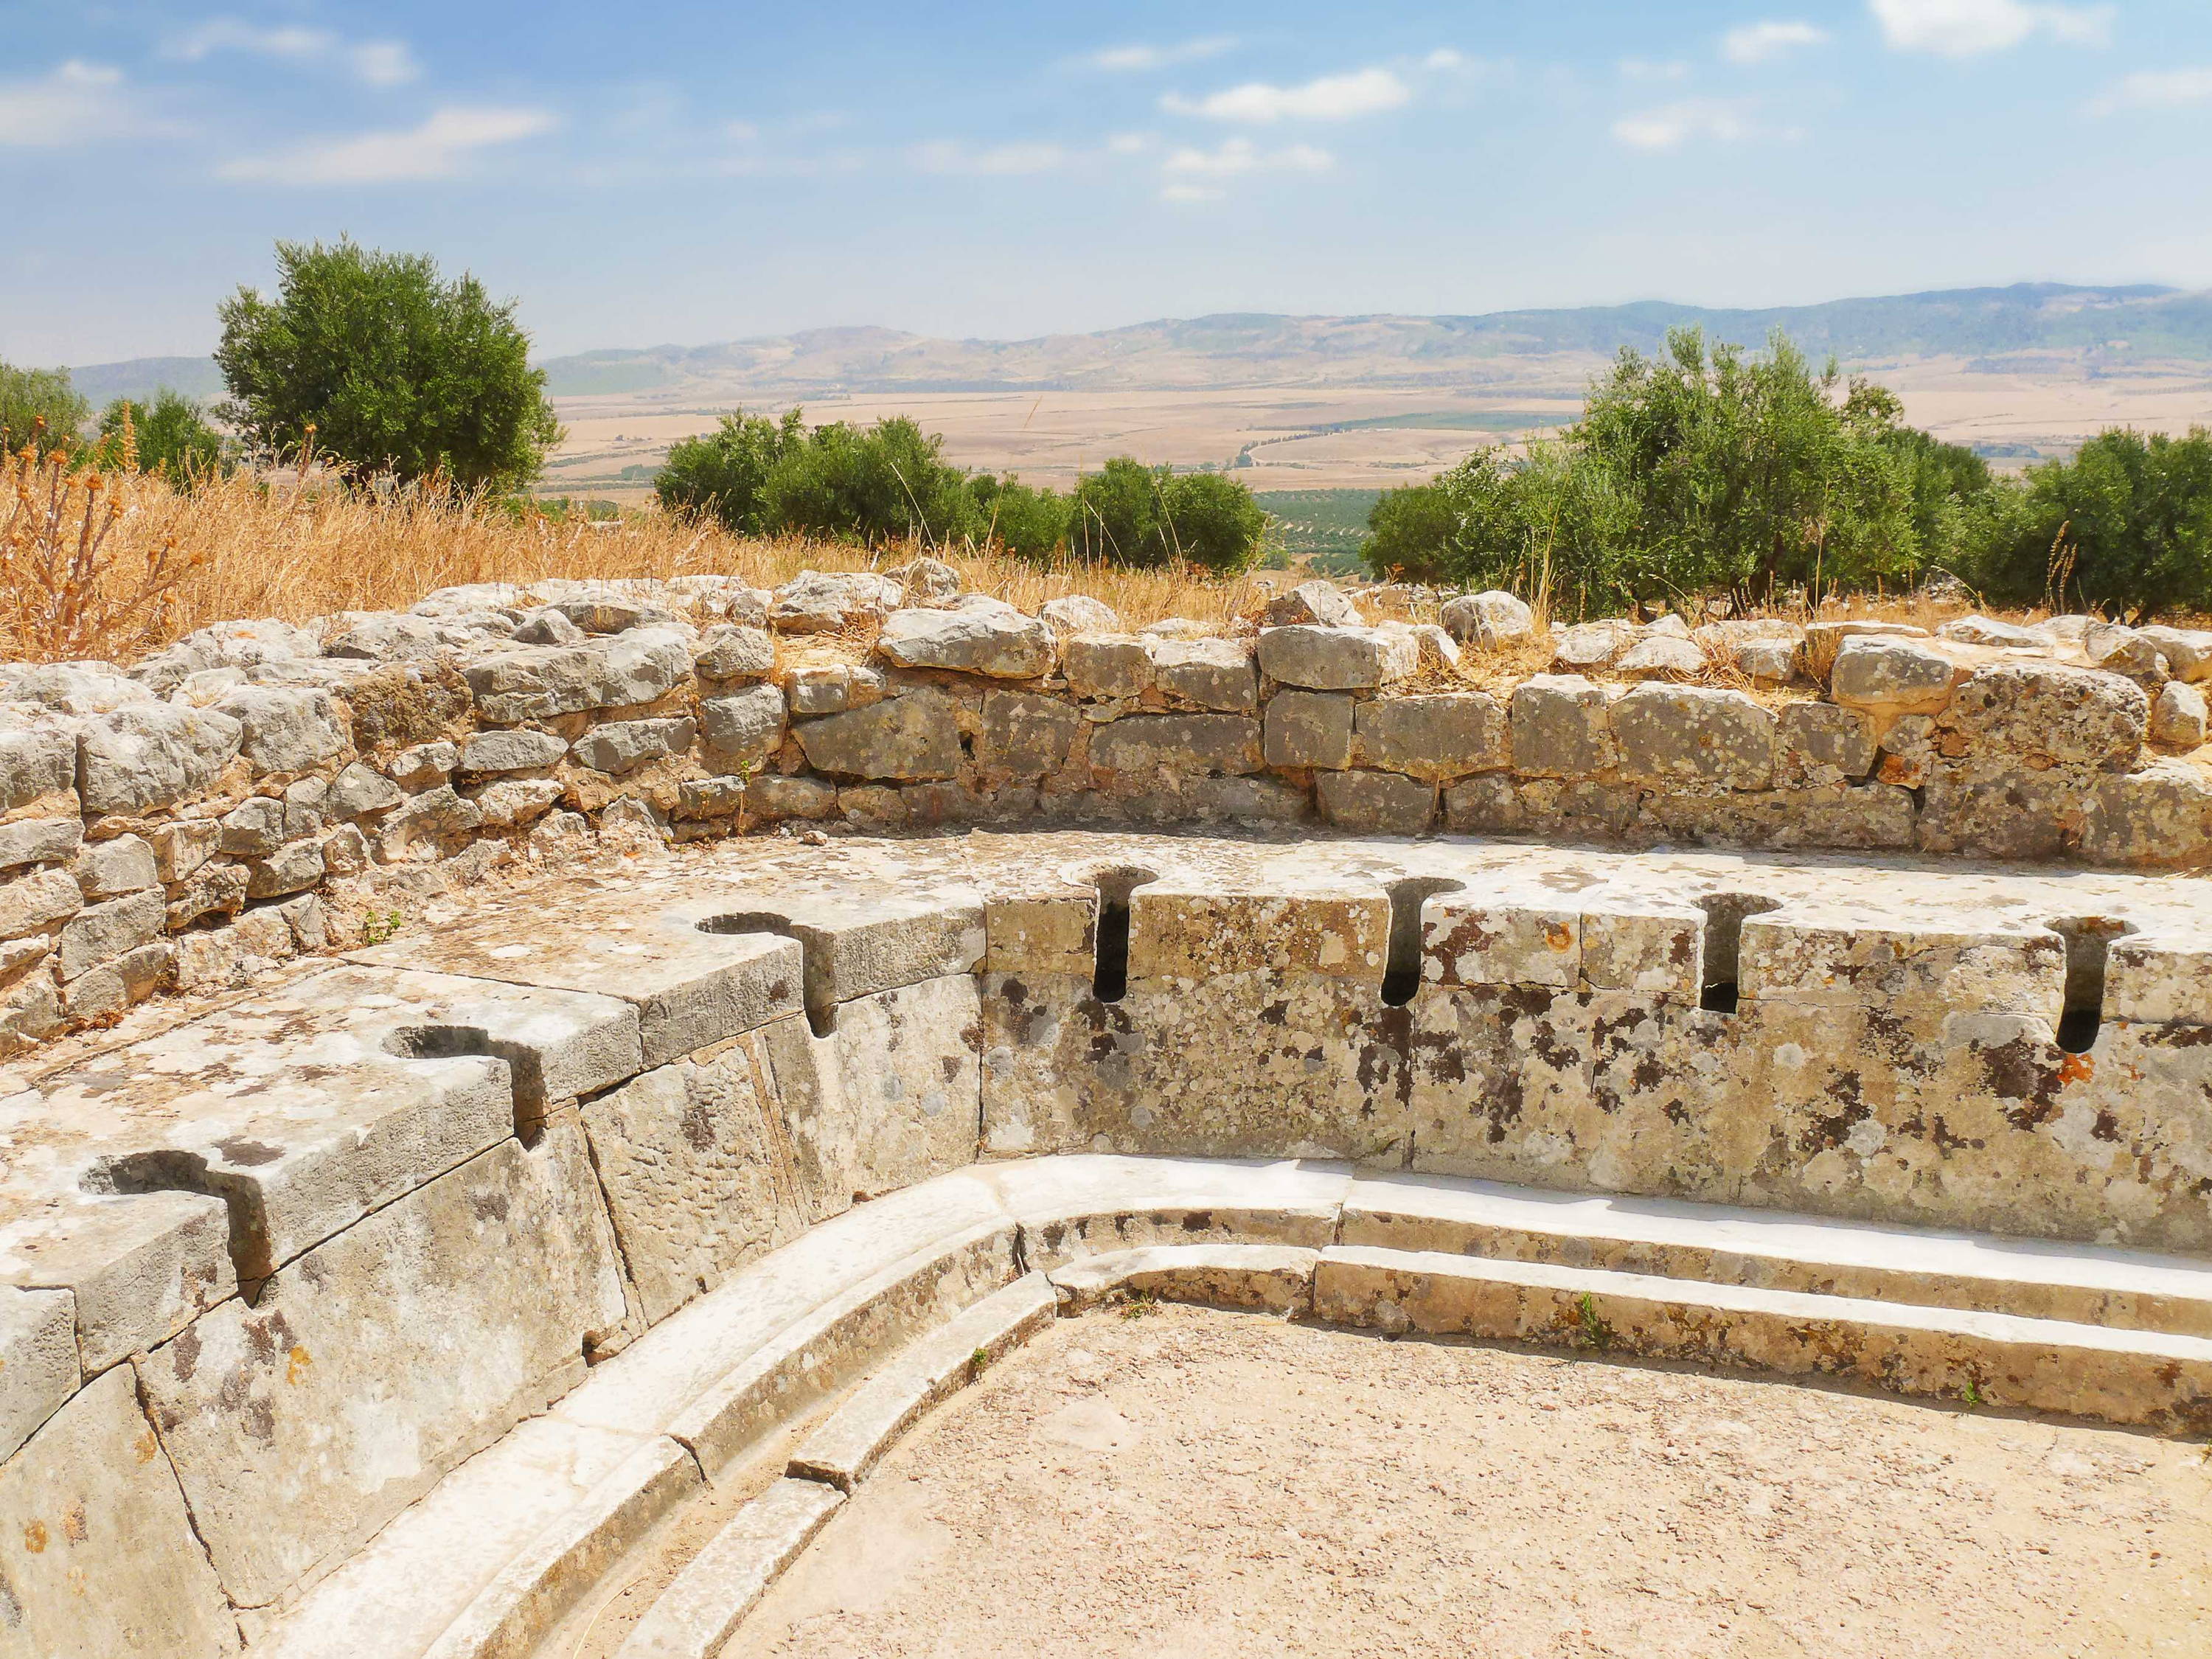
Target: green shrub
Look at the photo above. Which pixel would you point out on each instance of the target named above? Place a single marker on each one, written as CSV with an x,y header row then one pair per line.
x,y
175,438
1030,523
1128,514
388,367
723,474
39,407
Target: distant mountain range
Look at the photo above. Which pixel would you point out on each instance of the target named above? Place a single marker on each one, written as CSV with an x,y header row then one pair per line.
x,y
2026,325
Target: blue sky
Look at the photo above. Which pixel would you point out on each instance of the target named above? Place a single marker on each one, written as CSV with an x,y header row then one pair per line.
x,y
675,170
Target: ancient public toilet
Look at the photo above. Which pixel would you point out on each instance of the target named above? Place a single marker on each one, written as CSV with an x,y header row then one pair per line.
x,y
470,1079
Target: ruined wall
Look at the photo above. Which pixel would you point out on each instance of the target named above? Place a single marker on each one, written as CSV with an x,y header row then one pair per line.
x,y
176,824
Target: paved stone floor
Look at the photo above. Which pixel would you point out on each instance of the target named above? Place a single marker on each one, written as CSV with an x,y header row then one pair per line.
x,y
1193,1485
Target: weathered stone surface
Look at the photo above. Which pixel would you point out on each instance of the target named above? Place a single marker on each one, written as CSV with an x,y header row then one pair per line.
x,y
2187,651
1308,728
148,756
102,930
41,841
772,798
1109,666
729,652
814,602
458,1310
1215,674
38,1361
1985,630
429,825
70,688
1818,744
1694,735
1319,603
2033,816
1381,802
1468,941
1561,728
1890,676
1824,640
621,670
1659,657
2159,817
1078,613
623,746
1434,738
915,736
2051,715
1338,658
512,801
252,827
286,731
1487,620
1591,645
999,642
33,902
1027,735
2177,715
38,755
1770,661
745,727
96,1550
692,1159
289,869
511,751
833,687
1178,743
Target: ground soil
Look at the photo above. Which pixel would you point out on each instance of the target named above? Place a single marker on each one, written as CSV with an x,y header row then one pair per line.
x,y
1197,1484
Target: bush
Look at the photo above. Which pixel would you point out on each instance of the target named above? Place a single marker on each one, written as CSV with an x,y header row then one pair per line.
x,y
173,438
723,474
39,407
886,484
1131,514
372,358
2125,526
1027,522
1212,521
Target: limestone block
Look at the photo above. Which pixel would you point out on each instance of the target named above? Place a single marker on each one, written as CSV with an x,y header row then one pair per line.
x,y
1659,657
537,683
743,728
1336,929
2158,817
1470,941
119,982
299,1425
771,799
2051,714
1498,1083
1000,642
379,637
732,652
2187,651
887,1099
1591,645
1818,744
913,737
1078,613
1027,735
1109,666
1651,947
691,988
1769,661
107,869
1379,803
30,902
2178,716
2157,980
690,1156
1142,743
38,1361
40,841
814,602
70,688
1046,932
38,755
1078,1206
97,1556
622,746
1561,728
1436,738
1499,805
518,750
2010,815
1243,801
1891,676
1693,735
215,889
1213,674
253,827
1985,630
434,822
1824,641
103,931
1487,620
1276,1279
2123,652
1308,729
359,791
1852,959
1338,658
286,731
425,765
147,755
1320,603
859,943
513,801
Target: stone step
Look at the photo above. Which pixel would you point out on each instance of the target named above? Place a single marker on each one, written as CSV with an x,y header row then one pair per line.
x,y
843,1449
2143,1378
1273,1278
697,1614
2083,1283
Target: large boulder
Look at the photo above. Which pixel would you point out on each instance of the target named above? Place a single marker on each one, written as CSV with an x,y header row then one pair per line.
x,y
1319,603
997,640
742,729
1888,677
2050,715
286,731
152,755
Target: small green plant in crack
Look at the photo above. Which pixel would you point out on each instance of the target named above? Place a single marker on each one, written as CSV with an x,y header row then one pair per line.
x,y
1970,1395
1592,1329
377,926
1139,1304
978,1363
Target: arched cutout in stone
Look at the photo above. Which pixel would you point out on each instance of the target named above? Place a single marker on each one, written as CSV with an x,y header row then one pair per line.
x,y
2088,947
1401,971
171,1171
525,1071
819,993
1109,979
1721,969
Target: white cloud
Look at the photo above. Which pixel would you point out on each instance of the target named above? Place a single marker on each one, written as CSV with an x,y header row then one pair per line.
x,y
1672,125
74,103
1128,143
378,63
949,156
1237,156
1754,43
1185,194
1642,69
1331,98
435,149
1445,57
1965,29
1127,59
2175,89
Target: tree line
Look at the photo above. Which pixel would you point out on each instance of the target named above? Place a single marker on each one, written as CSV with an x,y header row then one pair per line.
x,y
1705,470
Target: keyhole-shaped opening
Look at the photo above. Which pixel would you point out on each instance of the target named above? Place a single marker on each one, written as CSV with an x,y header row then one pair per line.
x,y
1401,971
1723,970
1109,979
2088,948
819,990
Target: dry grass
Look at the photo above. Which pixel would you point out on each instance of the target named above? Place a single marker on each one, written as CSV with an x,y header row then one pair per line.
x,y
240,547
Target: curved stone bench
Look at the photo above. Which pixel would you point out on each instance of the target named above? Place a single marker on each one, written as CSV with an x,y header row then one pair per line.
x,y
380,1311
